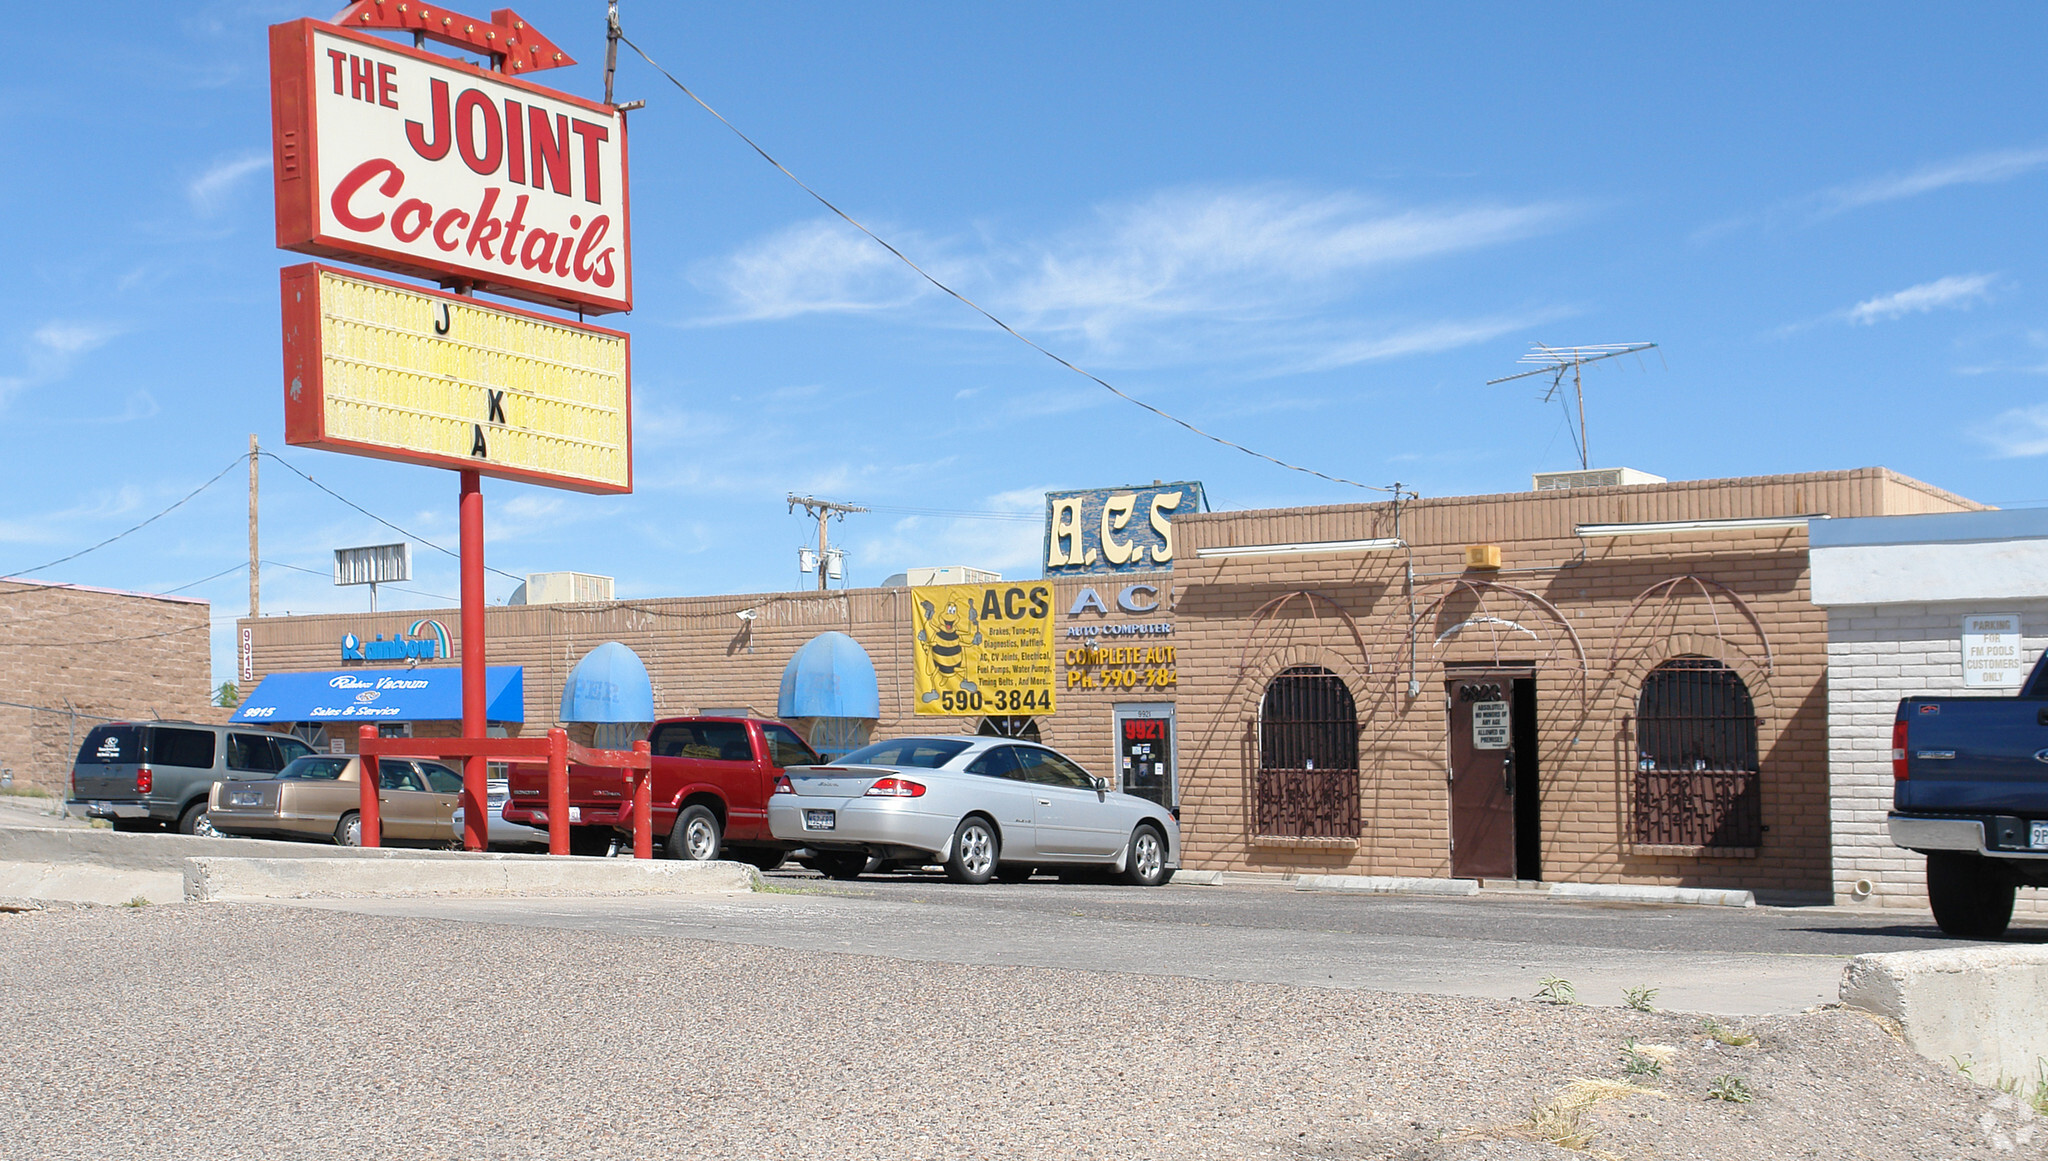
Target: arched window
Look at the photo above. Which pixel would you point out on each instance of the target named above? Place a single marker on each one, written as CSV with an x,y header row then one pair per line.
x,y
1018,726
1308,757
1697,781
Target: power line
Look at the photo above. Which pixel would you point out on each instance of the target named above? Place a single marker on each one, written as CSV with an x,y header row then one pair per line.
x,y
956,514
137,528
395,588
238,566
970,303
379,519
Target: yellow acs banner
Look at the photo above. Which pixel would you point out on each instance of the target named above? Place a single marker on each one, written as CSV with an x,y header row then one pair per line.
x,y
983,649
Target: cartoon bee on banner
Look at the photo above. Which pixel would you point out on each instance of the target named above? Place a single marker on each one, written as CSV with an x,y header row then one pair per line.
x,y
983,649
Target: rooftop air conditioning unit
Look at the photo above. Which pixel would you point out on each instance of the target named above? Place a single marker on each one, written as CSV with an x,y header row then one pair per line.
x,y
564,588
958,574
1593,478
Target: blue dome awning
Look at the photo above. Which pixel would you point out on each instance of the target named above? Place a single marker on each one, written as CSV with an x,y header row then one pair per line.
x,y
609,685
830,677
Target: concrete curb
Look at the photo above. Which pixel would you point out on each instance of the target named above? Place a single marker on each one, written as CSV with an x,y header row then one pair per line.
x,y
1977,1004
1198,878
85,883
209,879
1630,893
1386,885
168,852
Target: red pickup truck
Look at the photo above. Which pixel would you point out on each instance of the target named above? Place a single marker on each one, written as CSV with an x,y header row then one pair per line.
x,y
712,779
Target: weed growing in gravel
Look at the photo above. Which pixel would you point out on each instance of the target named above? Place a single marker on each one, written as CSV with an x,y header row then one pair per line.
x,y
1556,990
1733,1037
1561,1119
1644,1059
138,901
24,790
1639,998
1731,1088
1964,1065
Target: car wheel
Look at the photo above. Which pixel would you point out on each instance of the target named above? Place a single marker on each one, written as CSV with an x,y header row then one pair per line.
x,y
975,848
696,836
195,822
844,867
1971,896
1145,866
349,831
1014,872
765,859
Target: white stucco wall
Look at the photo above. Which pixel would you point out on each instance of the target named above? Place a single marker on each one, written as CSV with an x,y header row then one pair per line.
x,y
1877,654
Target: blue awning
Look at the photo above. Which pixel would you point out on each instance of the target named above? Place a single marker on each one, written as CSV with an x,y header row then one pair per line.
x,y
609,685
365,696
830,677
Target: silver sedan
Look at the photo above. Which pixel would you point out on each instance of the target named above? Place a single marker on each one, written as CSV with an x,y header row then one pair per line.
x,y
984,807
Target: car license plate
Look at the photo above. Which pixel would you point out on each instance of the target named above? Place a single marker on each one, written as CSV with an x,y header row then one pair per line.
x,y
100,808
245,798
819,820
575,814
2037,837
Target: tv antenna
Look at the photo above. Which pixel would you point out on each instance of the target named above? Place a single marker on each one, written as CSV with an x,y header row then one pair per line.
x,y
1556,361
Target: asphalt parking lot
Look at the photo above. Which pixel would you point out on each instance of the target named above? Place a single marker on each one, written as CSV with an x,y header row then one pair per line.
x,y
1497,946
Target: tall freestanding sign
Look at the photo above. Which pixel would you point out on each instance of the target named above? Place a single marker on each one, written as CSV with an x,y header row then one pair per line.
x,y
472,177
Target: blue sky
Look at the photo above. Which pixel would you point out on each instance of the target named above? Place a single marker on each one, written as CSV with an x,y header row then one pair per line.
x,y
1317,229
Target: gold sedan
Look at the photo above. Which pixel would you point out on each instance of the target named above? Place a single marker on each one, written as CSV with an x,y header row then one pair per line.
x,y
319,797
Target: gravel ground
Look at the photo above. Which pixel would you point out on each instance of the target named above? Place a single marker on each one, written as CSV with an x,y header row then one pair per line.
x,y
242,1031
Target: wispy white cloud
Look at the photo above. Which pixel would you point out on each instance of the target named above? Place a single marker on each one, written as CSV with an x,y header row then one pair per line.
x,y
72,338
2022,431
210,190
1260,274
1975,169
1955,292
817,267
1243,255
1427,338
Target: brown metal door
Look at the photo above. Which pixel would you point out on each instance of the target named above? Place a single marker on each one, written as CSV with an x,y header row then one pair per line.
x,y
1482,774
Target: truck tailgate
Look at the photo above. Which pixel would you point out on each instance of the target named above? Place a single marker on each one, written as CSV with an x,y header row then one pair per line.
x,y
1975,754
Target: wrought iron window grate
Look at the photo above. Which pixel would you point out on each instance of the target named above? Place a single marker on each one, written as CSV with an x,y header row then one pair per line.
x,y
1308,757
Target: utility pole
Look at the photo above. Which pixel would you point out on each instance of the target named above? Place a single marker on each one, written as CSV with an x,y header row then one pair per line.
x,y
822,510
255,573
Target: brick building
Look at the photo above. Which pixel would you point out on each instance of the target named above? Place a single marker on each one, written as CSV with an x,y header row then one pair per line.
x,y
72,657
1632,690
702,655
1625,684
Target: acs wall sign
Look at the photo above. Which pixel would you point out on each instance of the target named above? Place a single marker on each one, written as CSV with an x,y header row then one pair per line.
x,y
428,165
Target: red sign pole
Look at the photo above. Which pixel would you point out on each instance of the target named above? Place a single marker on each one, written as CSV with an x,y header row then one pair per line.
x,y
475,769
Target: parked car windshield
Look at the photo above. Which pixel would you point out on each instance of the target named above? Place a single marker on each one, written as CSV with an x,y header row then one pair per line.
x,y
316,768
930,753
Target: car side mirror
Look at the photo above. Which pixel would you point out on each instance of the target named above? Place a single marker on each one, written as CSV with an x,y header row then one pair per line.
x,y
1101,787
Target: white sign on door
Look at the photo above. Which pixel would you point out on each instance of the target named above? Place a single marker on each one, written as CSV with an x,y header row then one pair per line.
x,y
1489,725
1993,651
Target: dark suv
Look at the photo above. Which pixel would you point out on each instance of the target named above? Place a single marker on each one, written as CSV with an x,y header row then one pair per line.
x,y
152,775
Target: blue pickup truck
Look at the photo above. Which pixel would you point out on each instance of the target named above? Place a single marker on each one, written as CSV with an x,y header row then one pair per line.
x,y
1970,791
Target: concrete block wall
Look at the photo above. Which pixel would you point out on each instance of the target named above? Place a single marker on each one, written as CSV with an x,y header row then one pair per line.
x,y
1878,654
72,657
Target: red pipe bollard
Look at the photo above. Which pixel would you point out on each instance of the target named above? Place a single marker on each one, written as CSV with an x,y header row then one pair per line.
x,y
371,818
558,791
643,804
